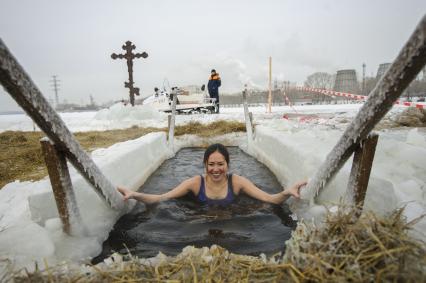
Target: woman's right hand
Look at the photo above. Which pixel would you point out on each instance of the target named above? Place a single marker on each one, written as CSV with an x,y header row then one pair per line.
x,y
295,189
127,194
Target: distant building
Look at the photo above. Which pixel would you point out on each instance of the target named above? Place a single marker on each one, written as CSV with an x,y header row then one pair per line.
x,y
346,81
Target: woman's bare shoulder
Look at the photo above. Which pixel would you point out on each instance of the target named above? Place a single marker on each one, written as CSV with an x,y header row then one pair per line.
x,y
237,178
196,179
193,183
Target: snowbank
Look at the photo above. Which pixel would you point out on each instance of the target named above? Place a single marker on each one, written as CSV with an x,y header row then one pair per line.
x,y
397,179
30,227
118,116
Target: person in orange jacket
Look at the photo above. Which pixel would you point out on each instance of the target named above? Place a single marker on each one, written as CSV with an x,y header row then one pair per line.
x,y
213,87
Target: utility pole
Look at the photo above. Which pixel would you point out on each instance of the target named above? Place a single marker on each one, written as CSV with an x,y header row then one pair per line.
x,y
363,79
55,85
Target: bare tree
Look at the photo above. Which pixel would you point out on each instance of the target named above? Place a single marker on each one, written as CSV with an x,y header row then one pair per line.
x,y
320,80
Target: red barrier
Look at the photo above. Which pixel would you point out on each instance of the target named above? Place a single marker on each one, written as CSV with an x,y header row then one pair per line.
x,y
355,96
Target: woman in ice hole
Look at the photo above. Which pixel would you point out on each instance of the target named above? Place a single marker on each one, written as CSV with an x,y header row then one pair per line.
x,y
216,187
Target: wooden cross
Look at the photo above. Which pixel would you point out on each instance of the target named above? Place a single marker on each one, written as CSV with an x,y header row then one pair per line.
x,y
129,56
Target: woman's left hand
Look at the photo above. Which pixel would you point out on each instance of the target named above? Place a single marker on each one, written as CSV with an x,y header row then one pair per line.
x,y
295,189
127,194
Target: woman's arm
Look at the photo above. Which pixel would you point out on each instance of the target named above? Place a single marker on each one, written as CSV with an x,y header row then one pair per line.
x,y
250,189
179,191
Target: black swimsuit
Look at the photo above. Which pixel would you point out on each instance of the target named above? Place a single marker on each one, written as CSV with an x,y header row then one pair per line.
x,y
202,197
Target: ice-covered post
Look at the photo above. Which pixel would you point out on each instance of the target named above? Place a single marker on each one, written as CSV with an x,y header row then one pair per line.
x,y
169,122
61,185
251,122
249,128
404,69
172,119
361,169
20,86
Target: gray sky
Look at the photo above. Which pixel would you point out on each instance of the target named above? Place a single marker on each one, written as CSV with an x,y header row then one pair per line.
x,y
185,39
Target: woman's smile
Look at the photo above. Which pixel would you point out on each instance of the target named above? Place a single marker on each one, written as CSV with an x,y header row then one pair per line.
x,y
217,176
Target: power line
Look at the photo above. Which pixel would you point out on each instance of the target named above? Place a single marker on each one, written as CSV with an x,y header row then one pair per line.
x,y
55,85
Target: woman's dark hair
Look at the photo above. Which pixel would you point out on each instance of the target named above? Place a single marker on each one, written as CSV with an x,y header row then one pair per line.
x,y
216,147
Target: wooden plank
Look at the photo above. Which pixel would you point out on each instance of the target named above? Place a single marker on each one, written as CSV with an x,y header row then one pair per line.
x,y
361,169
404,69
61,185
20,86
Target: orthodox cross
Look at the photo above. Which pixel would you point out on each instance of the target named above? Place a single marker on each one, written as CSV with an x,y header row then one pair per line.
x,y
129,56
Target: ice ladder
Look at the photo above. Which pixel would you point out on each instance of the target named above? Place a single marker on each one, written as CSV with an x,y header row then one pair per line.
x,y
60,146
357,136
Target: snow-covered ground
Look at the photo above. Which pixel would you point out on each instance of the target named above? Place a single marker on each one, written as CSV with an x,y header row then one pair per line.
x,y
292,142
119,116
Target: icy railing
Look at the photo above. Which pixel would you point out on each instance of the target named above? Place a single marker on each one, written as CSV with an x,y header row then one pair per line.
x,y
20,86
333,93
172,120
248,118
403,70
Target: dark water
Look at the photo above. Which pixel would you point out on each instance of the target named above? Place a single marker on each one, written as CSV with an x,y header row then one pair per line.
x,y
247,227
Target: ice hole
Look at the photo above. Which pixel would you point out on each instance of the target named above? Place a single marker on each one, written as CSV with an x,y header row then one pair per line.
x,y
246,227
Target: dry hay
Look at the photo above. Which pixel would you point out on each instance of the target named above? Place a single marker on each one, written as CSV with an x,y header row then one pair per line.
x,y
412,117
214,264
345,250
216,128
409,117
21,156
369,249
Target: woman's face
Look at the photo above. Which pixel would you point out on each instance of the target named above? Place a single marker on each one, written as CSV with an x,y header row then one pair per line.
x,y
216,166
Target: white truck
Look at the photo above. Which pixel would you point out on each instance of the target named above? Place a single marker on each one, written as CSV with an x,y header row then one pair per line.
x,y
187,103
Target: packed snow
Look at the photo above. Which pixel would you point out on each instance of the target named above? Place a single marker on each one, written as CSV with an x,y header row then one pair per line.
x,y
292,141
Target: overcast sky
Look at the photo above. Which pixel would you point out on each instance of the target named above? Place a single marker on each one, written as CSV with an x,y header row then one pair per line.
x,y
185,39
